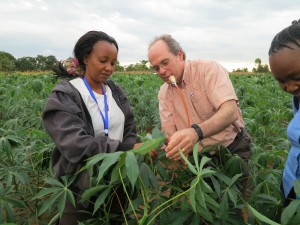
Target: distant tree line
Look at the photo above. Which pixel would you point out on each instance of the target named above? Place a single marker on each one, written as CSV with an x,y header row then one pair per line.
x,y
8,63
259,68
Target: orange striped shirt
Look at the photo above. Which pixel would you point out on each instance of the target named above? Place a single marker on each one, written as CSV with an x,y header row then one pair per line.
x,y
206,85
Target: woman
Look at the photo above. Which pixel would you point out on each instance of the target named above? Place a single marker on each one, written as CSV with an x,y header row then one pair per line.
x,y
87,114
284,59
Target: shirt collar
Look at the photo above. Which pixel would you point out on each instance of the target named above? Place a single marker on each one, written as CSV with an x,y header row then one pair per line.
x,y
185,76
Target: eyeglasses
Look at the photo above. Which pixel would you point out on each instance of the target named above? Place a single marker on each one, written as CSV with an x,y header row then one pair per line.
x,y
163,64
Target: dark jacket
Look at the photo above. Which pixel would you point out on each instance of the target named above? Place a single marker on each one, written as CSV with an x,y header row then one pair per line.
x,y
69,124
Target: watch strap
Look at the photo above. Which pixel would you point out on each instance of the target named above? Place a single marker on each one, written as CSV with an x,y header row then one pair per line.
x,y
198,130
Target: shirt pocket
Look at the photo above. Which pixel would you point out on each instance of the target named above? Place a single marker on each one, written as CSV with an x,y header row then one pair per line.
x,y
201,104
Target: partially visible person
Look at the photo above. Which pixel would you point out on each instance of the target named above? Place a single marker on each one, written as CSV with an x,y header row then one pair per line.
x,y
87,114
198,103
284,60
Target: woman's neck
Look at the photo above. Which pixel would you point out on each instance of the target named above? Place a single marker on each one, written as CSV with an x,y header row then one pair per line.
x,y
95,85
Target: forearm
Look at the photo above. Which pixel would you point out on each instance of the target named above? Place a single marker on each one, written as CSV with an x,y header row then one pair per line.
x,y
226,115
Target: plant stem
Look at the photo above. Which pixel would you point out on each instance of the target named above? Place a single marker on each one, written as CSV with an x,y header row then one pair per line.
x,y
124,187
198,179
120,205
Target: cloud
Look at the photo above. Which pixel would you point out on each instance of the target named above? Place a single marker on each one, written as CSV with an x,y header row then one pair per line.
x,y
229,31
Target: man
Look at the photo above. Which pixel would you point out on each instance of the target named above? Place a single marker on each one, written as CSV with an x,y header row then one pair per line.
x,y
201,105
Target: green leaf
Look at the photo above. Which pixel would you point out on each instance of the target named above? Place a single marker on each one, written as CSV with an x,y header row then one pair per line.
x,y
224,207
156,133
191,167
115,174
62,202
204,160
144,174
204,214
100,200
297,187
200,198
223,178
55,218
71,197
53,182
211,203
289,212
45,192
15,202
147,176
10,213
196,155
162,171
206,172
233,195
260,216
235,165
49,203
109,160
147,146
132,168
192,193
196,220
87,194
205,186
179,218
216,185
234,179
8,224
5,146
14,138
93,160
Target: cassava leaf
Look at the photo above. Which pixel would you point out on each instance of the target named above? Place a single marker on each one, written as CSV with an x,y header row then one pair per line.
x,y
147,146
132,168
109,160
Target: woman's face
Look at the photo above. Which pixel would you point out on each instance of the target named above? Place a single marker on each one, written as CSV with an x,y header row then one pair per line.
x,y
100,63
285,66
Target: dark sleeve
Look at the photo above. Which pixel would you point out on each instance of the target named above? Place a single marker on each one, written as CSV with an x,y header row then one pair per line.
x,y
62,119
129,136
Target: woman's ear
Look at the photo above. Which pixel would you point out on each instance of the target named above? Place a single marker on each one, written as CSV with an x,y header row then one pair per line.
x,y
85,59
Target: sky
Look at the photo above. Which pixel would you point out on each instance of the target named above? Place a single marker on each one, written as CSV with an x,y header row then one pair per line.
x,y
232,32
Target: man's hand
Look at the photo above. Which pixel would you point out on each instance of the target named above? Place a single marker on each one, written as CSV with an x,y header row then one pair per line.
x,y
183,139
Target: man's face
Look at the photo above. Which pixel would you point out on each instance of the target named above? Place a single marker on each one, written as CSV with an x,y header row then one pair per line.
x,y
164,62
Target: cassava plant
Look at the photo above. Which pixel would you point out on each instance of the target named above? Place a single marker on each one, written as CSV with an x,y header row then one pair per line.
x,y
205,191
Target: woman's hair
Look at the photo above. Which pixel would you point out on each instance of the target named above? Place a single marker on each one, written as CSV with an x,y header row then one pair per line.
x,y
286,37
73,67
85,44
172,44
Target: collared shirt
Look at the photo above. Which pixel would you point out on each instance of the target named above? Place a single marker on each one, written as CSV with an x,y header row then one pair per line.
x,y
292,166
206,86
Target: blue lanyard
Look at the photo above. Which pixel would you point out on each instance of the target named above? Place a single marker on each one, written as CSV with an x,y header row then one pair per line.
x,y
105,120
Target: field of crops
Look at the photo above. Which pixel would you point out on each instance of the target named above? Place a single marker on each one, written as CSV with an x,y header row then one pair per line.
x,y
25,149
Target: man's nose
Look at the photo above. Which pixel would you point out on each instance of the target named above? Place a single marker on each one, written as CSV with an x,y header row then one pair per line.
x,y
161,70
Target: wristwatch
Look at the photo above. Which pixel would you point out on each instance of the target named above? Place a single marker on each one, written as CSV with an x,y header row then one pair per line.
x,y
198,130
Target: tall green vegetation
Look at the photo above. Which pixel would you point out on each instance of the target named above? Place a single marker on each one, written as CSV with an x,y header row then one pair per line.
x,y
203,192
